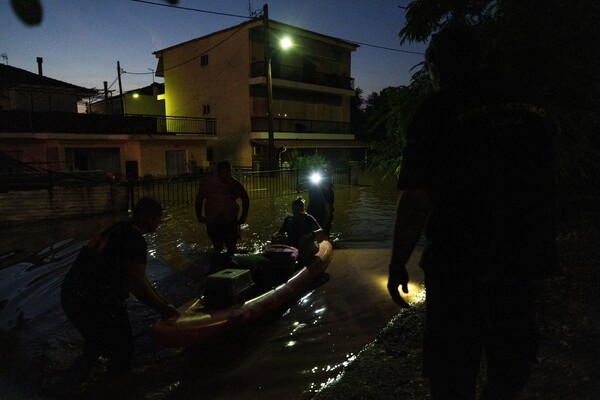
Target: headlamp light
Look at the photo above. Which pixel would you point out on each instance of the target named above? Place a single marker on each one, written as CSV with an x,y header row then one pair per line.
x,y
315,178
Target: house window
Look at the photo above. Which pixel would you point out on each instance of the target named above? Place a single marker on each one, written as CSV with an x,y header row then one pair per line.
x,y
204,59
176,164
206,109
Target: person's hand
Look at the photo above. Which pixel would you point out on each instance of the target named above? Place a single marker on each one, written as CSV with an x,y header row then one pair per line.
x,y
398,276
169,312
202,219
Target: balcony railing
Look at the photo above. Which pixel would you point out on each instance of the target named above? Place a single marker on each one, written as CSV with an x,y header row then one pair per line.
x,y
62,122
301,75
261,124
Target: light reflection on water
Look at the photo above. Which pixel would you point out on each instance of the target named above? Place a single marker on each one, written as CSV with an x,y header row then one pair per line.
x,y
287,357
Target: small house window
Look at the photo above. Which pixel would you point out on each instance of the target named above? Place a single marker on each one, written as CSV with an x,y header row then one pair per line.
x,y
204,59
206,109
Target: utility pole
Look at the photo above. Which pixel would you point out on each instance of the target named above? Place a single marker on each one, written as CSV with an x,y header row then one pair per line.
x,y
106,97
120,88
271,146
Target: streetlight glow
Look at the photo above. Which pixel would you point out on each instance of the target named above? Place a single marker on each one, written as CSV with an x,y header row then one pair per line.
x,y
286,43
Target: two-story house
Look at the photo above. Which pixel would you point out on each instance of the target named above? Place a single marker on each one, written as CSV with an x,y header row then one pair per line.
x,y
224,75
148,100
41,128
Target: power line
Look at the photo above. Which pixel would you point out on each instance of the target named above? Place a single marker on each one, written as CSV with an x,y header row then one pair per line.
x,y
246,17
387,48
204,52
192,9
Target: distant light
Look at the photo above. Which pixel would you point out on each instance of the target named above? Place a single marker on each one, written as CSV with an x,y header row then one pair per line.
x,y
286,43
135,95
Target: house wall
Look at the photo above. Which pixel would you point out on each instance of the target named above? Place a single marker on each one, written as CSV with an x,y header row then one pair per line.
x,y
222,85
144,105
39,100
148,152
153,155
62,202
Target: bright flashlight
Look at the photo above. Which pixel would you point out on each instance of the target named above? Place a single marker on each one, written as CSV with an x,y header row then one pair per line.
x,y
315,178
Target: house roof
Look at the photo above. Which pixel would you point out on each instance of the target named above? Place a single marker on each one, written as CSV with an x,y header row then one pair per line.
x,y
12,77
273,23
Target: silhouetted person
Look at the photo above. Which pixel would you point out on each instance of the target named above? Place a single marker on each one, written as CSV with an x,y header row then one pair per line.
x,y
297,226
478,171
217,207
94,292
320,202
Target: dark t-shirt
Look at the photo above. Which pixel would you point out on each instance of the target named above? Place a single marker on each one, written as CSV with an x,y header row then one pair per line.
x,y
318,198
295,229
485,151
101,271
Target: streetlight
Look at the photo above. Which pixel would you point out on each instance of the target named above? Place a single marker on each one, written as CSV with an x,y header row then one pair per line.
x,y
285,43
271,135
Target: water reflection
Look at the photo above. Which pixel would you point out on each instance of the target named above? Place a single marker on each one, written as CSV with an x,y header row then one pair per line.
x,y
290,357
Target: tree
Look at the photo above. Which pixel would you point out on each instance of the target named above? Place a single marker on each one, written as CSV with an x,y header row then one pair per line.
x,y
387,115
550,45
300,162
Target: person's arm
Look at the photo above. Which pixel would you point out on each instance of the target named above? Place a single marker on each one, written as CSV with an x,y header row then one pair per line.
x,y
199,205
318,233
245,204
414,206
141,288
281,233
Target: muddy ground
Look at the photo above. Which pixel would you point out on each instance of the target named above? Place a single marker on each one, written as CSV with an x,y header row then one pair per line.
x,y
569,313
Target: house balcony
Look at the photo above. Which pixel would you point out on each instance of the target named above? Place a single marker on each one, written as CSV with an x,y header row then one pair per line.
x,y
261,124
296,74
16,121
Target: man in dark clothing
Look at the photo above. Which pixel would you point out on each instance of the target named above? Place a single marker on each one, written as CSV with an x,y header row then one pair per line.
x,y
217,207
320,201
478,171
94,292
297,226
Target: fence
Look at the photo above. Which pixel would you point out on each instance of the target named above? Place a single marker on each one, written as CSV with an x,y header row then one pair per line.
x,y
180,191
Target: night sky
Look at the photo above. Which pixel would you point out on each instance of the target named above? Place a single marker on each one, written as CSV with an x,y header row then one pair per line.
x,y
81,41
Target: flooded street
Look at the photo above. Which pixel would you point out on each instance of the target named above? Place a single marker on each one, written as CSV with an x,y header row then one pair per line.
x,y
289,357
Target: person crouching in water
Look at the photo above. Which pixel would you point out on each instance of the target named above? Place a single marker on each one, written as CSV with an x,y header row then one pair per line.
x,y
94,292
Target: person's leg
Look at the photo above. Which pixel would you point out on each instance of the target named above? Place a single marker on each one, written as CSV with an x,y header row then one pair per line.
x,y
511,341
82,314
453,340
231,236
215,235
119,344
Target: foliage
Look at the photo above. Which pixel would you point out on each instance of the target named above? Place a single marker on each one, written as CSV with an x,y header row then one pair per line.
x,y
387,115
357,115
300,162
533,42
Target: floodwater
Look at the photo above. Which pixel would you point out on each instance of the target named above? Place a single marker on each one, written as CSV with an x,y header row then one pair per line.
x,y
288,357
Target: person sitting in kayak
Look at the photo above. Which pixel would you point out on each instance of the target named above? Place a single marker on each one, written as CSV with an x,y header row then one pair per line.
x,y
300,230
